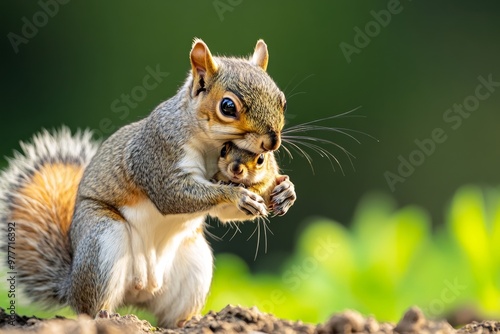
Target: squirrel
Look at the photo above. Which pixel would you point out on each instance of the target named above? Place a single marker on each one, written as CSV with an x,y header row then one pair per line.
x,y
98,226
258,173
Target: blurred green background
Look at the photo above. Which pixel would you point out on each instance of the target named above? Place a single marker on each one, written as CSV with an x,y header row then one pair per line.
x,y
405,74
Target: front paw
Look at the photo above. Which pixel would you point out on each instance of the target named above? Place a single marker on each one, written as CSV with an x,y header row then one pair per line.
x,y
283,196
251,203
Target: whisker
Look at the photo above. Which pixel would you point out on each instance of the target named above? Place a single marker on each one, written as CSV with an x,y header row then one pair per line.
x,y
266,227
308,128
300,151
324,154
227,231
344,114
288,84
210,234
251,235
310,123
327,153
300,83
295,94
258,240
360,132
265,236
344,131
290,156
294,140
319,140
236,230
257,229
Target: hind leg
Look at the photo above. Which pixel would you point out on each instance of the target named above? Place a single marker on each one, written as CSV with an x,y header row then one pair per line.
x,y
100,269
186,286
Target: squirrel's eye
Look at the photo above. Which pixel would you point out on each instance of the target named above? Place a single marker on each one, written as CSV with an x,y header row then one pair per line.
x,y
260,160
227,107
223,152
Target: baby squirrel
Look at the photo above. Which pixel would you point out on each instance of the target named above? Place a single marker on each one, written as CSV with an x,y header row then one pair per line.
x,y
258,173
122,223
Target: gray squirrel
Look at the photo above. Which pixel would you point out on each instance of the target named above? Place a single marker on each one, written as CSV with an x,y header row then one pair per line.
x,y
122,223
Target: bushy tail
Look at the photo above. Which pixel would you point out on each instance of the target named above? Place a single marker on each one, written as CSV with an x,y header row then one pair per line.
x,y
37,198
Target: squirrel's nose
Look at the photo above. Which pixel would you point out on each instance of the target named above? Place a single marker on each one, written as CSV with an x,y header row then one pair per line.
x,y
272,143
237,169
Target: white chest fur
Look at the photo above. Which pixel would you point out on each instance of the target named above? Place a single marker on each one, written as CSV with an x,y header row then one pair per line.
x,y
154,243
200,158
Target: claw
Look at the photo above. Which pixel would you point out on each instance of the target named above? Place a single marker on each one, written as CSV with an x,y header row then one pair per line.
x,y
252,204
283,196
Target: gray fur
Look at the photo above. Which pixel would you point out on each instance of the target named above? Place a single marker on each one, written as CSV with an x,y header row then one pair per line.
x,y
43,272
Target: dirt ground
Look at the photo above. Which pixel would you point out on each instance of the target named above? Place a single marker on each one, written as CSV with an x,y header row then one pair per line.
x,y
235,319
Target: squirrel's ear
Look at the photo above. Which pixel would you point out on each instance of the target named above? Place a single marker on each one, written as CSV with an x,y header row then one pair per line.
x,y
260,55
202,62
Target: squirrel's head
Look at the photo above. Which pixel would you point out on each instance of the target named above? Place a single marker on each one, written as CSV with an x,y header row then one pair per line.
x,y
237,100
242,166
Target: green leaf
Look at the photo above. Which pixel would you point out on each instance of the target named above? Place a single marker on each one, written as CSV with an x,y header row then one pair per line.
x,y
468,226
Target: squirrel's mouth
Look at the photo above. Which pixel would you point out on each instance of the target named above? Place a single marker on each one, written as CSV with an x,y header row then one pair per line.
x,y
259,143
239,178
236,178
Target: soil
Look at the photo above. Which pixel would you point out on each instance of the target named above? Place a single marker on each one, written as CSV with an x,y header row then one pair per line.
x,y
236,319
